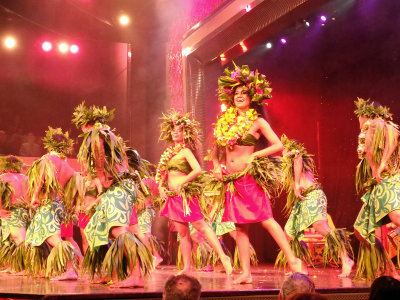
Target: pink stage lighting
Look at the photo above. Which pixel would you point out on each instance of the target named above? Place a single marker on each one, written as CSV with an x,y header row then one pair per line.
x,y
323,18
74,49
47,46
124,20
63,47
244,47
283,41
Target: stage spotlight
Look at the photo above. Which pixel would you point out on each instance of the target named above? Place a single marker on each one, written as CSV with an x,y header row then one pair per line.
x,y
283,41
74,49
307,24
129,54
222,57
63,47
187,51
248,8
124,20
10,42
323,18
244,47
268,45
47,46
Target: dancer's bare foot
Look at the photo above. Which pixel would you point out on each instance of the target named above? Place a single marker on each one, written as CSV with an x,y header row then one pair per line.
x,y
243,279
298,266
101,280
6,270
187,271
129,282
226,262
22,273
347,265
69,275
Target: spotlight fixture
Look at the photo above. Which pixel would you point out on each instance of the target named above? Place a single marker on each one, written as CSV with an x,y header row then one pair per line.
x,y
10,42
283,41
74,49
268,45
222,57
323,18
307,24
124,20
248,8
47,46
63,47
244,47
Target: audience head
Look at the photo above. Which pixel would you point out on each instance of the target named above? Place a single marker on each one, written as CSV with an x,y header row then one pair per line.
x,y
306,296
385,287
182,287
296,283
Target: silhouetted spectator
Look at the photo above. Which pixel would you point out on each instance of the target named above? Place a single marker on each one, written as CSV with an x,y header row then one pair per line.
x,y
306,296
182,287
296,283
385,288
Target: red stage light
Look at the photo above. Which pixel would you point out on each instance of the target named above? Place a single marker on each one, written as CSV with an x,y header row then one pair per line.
x,y
47,46
124,20
74,49
244,48
222,57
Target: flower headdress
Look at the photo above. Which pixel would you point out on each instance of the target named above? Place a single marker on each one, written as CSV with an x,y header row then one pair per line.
x,y
11,163
191,130
255,82
365,108
58,141
91,115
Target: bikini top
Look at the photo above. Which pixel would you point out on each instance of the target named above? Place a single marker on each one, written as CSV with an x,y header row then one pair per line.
x,y
178,164
247,140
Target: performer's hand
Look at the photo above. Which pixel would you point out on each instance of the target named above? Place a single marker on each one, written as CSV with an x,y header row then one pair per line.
x,y
179,184
297,192
379,172
250,159
162,192
5,214
218,172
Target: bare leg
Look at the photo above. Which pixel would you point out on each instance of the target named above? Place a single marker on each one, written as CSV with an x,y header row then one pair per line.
x,y
212,239
243,244
323,228
186,245
85,244
278,235
70,274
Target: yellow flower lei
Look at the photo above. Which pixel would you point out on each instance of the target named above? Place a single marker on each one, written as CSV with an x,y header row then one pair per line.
x,y
169,153
231,127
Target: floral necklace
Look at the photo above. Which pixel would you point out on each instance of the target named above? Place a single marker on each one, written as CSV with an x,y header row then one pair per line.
x,y
169,153
231,127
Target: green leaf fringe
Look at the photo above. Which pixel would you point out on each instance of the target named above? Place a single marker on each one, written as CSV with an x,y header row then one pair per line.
x,y
373,260
300,250
93,261
157,245
336,242
36,259
18,258
126,251
6,191
214,257
6,251
59,257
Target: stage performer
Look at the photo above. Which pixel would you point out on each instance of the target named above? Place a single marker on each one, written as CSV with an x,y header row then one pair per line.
x,y
249,174
378,177
53,185
307,206
104,159
14,212
176,176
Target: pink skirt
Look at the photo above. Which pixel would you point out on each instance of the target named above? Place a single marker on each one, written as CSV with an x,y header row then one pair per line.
x,y
83,220
173,210
249,204
134,219
68,230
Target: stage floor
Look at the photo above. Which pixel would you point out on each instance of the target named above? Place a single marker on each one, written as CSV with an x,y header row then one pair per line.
x,y
266,283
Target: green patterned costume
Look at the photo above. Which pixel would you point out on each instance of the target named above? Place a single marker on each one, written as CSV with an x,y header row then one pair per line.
x,y
19,219
114,209
306,212
145,219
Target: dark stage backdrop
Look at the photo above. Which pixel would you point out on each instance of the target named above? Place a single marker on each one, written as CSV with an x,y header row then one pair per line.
x,y
39,89
315,78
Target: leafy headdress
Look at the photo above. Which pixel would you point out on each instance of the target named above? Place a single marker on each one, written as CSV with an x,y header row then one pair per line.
x,y
83,115
255,82
58,141
11,163
366,108
191,130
